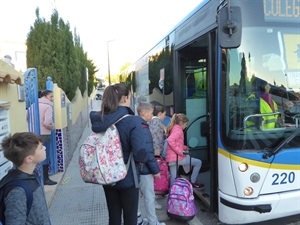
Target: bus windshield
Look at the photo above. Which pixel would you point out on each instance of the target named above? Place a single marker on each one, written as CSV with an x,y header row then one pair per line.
x,y
263,88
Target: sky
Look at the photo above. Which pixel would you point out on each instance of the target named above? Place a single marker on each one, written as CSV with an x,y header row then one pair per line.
x,y
127,29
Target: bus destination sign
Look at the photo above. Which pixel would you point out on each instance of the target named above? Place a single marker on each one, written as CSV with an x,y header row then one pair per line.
x,y
282,10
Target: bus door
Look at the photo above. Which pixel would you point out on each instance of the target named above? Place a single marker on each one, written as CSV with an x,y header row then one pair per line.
x,y
190,94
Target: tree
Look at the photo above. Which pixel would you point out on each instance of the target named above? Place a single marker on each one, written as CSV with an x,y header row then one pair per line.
x,y
52,50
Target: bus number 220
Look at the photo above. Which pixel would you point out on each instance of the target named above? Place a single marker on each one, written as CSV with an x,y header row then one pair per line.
x,y
283,178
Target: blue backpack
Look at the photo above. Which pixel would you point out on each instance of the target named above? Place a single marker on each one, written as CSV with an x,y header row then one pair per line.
x,y
164,151
7,188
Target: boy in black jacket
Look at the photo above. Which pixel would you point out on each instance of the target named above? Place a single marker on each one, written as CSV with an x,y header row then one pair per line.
x,y
25,150
150,169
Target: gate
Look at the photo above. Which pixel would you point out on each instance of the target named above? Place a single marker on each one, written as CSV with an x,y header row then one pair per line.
x,y
31,99
32,107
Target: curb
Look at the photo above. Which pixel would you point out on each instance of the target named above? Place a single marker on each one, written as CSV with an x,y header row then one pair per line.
x,y
195,221
50,190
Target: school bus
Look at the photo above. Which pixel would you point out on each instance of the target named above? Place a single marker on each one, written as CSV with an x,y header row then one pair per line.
x,y
205,67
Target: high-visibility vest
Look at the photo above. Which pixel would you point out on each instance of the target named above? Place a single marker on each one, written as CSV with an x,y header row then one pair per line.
x,y
250,124
269,122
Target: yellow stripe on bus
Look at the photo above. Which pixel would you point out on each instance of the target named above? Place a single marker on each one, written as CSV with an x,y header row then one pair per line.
x,y
257,163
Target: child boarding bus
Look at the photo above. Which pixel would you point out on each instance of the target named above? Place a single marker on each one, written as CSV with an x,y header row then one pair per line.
x,y
233,67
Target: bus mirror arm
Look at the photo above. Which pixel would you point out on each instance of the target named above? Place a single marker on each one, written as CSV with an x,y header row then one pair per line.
x,y
275,150
230,26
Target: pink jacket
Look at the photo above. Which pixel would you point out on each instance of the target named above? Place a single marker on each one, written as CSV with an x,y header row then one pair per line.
x,y
46,116
175,144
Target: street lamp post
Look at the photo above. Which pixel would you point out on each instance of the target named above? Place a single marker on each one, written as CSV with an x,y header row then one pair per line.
x,y
108,64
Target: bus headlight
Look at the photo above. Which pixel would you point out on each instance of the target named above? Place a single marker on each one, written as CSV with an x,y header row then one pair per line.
x,y
243,167
255,177
248,191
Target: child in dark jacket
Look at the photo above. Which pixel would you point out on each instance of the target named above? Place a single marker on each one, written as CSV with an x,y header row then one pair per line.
x,y
150,169
25,150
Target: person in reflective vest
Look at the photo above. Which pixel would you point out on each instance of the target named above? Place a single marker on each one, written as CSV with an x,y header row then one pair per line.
x,y
252,102
267,105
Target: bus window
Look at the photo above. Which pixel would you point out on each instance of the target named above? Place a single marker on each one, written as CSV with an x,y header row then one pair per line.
x,y
276,64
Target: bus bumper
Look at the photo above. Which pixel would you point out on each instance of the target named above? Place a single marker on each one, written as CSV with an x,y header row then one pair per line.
x,y
233,210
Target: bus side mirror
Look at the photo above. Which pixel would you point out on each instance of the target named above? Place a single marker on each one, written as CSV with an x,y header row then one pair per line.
x,y
230,27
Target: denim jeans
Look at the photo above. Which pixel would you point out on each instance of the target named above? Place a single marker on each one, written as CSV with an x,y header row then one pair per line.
x,y
195,163
147,190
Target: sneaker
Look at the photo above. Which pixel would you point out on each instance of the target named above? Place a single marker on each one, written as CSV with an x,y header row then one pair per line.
x,y
157,223
160,223
158,206
145,221
139,219
198,185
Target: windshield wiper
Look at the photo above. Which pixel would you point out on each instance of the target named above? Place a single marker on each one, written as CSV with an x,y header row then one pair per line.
x,y
274,151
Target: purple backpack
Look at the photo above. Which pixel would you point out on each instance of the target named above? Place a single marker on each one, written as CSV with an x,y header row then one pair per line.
x,y
181,204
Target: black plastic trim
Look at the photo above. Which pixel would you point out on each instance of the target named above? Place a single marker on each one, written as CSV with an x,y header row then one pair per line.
x,y
265,208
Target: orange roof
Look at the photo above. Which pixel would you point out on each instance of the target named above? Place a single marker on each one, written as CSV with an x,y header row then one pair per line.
x,y
9,75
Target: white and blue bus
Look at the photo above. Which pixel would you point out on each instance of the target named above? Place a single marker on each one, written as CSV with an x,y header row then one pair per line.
x,y
207,67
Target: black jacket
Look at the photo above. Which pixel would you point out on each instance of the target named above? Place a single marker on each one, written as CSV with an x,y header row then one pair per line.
x,y
15,174
131,134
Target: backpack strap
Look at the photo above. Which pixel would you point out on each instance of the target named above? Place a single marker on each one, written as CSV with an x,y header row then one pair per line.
x,y
23,184
122,118
130,159
132,162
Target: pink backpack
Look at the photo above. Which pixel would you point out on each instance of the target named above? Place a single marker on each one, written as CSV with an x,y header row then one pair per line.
x,y
162,184
181,203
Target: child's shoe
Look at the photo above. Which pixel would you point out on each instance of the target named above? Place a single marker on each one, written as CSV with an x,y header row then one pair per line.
x,y
198,185
139,219
160,223
158,206
145,221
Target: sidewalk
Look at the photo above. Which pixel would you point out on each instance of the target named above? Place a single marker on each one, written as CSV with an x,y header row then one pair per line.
x,y
73,202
